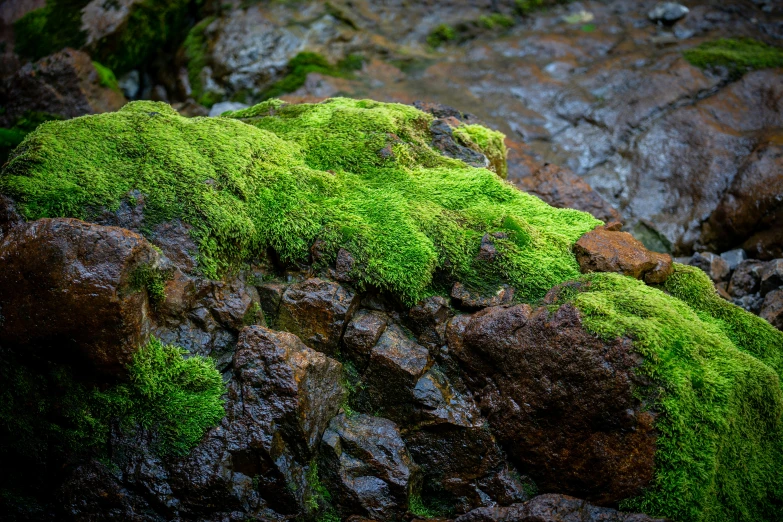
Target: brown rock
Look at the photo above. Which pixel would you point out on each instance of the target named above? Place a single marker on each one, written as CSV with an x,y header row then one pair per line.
x,y
540,399
771,276
602,250
363,332
772,308
561,188
472,300
715,266
553,508
746,278
270,295
318,312
65,83
429,319
68,285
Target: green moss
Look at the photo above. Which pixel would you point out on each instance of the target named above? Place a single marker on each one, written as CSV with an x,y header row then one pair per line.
x,y
106,77
441,34
417,506
11,138
287,175
715,373
51,28
153,281
737,55
489,142
496,21
195,48
305,63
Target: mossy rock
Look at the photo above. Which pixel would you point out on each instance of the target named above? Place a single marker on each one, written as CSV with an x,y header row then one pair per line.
x,y
736,55
363,176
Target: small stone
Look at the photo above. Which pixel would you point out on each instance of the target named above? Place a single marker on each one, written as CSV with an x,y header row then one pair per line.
x,y
751,302
734,257
715,266
472,300
344,266
771,276
362,333
667,12
746,278
721,289
772,308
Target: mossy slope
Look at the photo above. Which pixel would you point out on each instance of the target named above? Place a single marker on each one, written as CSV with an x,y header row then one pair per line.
x,y
354,174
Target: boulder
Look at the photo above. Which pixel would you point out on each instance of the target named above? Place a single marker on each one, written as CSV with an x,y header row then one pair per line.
x,y
75,289
541,400
317,311
714,265
552,508
772,308
367,467
474,300
607,250
362,333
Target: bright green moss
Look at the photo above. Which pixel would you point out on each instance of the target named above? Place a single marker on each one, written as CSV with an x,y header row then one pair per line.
x,y
305,63
715,371
441,34
106,77
354,174
12,137
489,142
195,48
737,55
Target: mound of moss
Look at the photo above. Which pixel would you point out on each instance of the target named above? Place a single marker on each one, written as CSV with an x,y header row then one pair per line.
x,y
736,55
350,174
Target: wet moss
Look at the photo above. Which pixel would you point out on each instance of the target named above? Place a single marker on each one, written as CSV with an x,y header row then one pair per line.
x,y
736,55
489,142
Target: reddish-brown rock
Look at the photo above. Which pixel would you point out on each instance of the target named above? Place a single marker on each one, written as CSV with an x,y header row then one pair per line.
x,y
606,250
772,308
68,285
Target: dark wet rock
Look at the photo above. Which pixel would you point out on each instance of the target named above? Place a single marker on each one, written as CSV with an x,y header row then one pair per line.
x,y
734,258
746,278
270,295
667,12
69,286
317,311
176,242
606,250
561,188
9,217
553,508
362,333
714,265
344,265
475,300
540,400
365,464
64,84
428,319
771,276
772,308
444,141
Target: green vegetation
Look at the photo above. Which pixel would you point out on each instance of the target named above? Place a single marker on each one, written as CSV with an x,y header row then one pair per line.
x,y
11,138
496,21
305,63
715,372
489,142
290,174
152,280
441,34
417,507
195,48
49,29
106,77
526,7
736,55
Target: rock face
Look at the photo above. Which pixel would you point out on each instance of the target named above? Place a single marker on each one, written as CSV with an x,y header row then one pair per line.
x,y
70,286
607,250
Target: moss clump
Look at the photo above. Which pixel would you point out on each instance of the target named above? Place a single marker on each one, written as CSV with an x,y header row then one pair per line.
x,y
496,21
736,55
106,77
10,138
489,142
195,48
354,174
715,373
441,34
153,281
305,63
49,29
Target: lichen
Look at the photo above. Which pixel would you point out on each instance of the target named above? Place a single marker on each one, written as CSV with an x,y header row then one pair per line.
x,y
288,175
489,142
715,386
736,55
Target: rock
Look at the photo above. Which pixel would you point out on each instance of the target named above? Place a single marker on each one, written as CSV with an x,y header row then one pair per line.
x,y
65,84
367,466
70,286
561,188
472,300
715,266
667,12
221,107
605,250
746,278
344,265
429,319
270,295
540,399
552,508
318,312
772,309
9,217
130,84
734,258
443,140
751,302
362,333
771,276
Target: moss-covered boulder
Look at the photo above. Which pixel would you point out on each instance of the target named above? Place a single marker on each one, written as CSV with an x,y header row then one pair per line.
x,y
305,187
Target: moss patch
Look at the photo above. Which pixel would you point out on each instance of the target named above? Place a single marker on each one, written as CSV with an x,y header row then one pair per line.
x,y
49,29
489,142
354,174
715,372
10,138
106,77
736,55
195,48
305,63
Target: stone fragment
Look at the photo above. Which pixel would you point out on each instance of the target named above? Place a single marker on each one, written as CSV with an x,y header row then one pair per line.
x,y
365,463
772,308
553,508
318,312
70,287
605,250
667,12
270,295
9,217
363,332
714,265
751,302
746,279
734,257
429,319
540,398
771,276
473,300
344,265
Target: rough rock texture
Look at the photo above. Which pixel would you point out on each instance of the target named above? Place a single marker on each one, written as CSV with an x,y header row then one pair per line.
x,y
65,84
771,276
746,278
772,308
68,286
540,400
552,508
607,250
715,266
367,461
